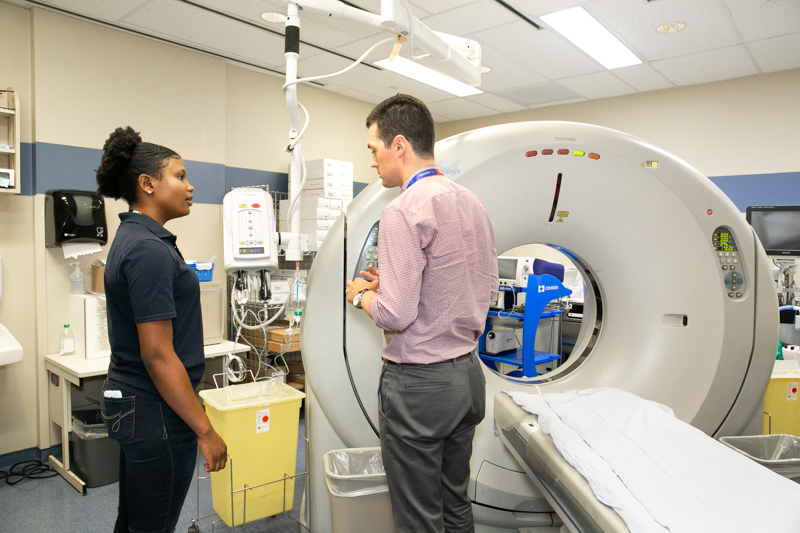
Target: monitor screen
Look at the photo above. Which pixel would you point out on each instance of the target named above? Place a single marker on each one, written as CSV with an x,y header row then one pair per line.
x,y
777,227
507,268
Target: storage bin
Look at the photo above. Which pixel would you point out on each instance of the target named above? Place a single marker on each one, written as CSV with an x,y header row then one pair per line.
x,y
779,453
204,271
95,456
358,491
260,430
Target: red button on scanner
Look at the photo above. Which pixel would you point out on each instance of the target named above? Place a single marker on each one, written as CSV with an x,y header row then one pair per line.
x,y
255,206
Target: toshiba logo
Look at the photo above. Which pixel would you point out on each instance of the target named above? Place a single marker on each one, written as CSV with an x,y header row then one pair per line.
x,y
566,139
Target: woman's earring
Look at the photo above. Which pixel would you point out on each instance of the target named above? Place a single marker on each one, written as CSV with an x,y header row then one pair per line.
x,y
150,192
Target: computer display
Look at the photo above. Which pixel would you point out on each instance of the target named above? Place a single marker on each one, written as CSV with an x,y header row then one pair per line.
x,y
777,227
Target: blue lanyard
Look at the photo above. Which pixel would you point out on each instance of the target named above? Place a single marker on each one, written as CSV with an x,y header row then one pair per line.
x,y
424,174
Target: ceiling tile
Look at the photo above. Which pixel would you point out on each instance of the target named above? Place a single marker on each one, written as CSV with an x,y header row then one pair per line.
x,y
435,6
542,51
107,10
506,73
439,118
760,19
537,8
497,103
470,18
314,27
352,93
188,24
538,94
460,109
778,53
635,22
707,67
597,85
642,78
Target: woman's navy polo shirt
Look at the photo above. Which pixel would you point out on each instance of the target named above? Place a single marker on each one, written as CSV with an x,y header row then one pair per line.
x,y
147,280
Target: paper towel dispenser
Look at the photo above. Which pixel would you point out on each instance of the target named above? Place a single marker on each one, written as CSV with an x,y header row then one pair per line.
x,y
74,216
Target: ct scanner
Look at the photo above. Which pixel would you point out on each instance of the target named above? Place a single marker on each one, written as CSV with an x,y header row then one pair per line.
x,y
663,317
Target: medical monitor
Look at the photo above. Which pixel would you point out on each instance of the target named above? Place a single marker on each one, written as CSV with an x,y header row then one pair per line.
x,y
507,270
777,227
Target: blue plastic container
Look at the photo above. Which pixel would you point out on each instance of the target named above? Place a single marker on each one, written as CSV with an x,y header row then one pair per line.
x,y
204,271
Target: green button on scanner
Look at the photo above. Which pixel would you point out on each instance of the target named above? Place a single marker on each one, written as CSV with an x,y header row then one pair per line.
x,y
579,153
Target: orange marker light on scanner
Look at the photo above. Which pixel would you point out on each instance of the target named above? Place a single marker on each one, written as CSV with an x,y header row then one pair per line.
x,y
710,212
531,153
593,155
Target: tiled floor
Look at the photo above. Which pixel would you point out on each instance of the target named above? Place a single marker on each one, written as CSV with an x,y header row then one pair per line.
x,y
45,505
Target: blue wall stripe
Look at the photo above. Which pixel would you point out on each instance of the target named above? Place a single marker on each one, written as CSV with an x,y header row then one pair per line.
x,y
243,177
761,189
47,166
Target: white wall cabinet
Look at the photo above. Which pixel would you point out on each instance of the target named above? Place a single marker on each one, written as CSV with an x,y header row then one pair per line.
x,y
10,174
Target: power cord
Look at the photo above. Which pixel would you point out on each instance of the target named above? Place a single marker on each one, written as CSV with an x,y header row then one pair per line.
x,y
33,469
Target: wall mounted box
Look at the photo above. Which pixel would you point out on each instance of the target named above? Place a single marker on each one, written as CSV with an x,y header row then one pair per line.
x,y
74,216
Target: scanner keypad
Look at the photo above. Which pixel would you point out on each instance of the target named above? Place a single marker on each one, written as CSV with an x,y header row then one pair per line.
x,y
369,252
727,254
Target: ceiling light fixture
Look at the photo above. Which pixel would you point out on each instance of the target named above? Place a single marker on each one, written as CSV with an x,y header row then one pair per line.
x,y
671,27
585,32
415,71
273,16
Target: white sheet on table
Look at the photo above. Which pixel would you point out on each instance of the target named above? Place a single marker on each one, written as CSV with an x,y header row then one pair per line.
x,y
659,473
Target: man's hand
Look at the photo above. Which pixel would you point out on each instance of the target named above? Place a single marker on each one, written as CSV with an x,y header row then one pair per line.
x,y
358,285
214,450
372,275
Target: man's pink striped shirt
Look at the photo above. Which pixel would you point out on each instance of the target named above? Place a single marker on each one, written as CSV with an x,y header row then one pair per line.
x,y
438,272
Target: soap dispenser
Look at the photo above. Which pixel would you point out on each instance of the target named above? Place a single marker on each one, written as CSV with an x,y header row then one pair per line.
x,y
77,283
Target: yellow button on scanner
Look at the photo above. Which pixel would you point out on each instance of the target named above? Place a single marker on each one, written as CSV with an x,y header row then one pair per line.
x,y
579,153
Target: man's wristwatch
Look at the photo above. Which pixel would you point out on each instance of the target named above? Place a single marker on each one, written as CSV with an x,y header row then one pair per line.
x,y
357,298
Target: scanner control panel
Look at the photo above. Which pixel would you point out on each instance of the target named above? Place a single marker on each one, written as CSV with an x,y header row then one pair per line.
x,y
730,265
369,252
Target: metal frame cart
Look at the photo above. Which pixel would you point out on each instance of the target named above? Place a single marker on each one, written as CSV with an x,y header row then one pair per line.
x,y
541,290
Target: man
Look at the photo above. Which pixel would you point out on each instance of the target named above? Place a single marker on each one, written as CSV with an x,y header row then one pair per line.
x,y
438,274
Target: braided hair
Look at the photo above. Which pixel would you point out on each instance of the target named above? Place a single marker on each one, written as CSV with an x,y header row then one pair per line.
x,y
125,158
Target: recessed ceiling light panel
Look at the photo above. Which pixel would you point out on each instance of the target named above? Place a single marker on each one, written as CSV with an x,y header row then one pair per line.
x,y
585,32
671,27
273,16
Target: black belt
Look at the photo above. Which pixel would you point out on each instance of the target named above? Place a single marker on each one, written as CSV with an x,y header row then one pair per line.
x,y
388,362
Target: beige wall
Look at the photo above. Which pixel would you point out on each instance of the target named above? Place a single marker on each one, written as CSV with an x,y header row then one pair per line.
x,y
91,79
743,126
15,42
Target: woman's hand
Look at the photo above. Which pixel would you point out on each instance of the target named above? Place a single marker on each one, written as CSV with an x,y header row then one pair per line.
x,y
214,450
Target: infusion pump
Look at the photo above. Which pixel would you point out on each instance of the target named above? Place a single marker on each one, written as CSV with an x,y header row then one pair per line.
x,y
249,234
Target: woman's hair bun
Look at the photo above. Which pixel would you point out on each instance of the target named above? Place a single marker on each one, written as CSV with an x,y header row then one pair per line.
x,y
117,154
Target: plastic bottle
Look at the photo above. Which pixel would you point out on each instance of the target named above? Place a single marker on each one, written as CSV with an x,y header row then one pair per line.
x,y
77,282
66,343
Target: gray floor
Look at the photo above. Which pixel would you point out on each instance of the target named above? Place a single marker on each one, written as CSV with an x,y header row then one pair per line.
x,y
45,505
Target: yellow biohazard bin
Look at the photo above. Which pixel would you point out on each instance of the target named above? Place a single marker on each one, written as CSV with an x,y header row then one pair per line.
x,y
781,405
259,423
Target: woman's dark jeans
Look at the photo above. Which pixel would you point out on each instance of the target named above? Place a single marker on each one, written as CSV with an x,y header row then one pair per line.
x,y
156,463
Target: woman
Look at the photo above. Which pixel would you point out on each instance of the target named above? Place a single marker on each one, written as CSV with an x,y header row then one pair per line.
x,y
156,334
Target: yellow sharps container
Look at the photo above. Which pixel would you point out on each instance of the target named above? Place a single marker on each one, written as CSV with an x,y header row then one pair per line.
x,y
781,406
259,423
